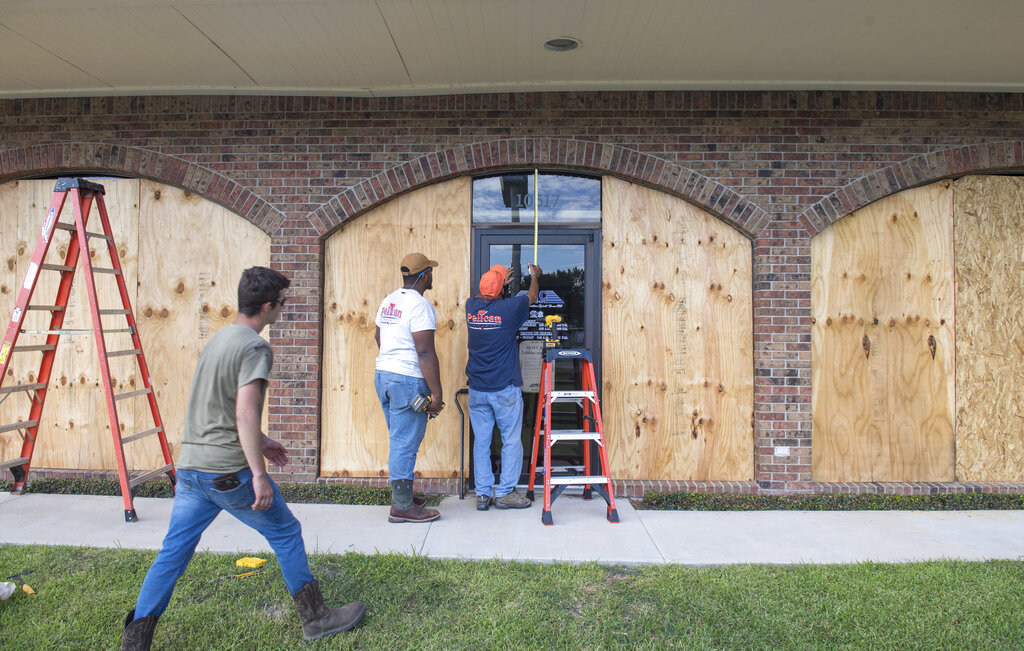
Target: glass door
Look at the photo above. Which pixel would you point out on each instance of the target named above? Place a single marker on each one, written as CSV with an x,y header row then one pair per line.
x,y
570,288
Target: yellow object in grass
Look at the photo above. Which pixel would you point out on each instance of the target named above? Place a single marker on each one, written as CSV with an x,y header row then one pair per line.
x,y
249,561
27,589
245,574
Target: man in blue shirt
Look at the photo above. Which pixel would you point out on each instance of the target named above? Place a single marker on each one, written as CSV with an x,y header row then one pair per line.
x,y
495,379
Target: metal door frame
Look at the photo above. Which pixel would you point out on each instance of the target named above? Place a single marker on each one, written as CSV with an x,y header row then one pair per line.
x,y
588,235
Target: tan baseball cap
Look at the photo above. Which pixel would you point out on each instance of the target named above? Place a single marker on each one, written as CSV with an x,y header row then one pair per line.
x,y
414,263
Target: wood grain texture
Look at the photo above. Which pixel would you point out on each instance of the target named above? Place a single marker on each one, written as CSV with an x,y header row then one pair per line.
x,y
882,341
677,339
989,243
361,268
158,244
191,255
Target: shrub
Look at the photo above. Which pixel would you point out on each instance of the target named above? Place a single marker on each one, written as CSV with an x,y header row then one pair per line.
x,y
292,492
974,501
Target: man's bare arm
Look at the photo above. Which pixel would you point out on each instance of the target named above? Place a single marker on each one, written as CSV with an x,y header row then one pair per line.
x,y
429,366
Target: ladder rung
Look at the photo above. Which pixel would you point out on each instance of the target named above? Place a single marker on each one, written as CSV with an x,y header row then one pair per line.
x,y
540,469
149,475
23,387
34,348
56,267
112,311
569,480
571,395
141,435
100,236
131,394
105,270
20,425
20,461
574,435
74,331
65,227
123,353
46,308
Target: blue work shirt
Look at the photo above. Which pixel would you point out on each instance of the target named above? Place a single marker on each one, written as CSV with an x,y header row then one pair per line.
x,y
493,354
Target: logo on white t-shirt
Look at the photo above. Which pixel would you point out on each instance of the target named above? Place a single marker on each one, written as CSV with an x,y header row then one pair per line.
x,y
390,314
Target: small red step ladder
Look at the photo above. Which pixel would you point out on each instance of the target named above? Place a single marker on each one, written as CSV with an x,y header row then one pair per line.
x,y
593,432
83,194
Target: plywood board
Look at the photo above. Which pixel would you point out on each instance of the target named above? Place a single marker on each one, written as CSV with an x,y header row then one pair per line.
x,y
16,200
677,339
361,267
882,341
168,239
989,244
191,255
75,430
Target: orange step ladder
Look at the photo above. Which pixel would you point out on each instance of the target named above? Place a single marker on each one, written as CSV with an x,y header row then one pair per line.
x,y
587,401
82,194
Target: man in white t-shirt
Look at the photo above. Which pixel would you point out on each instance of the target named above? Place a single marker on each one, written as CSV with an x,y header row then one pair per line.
x,y
407,365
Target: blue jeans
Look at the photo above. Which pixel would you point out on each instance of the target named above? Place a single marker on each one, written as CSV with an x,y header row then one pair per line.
x,y
405,427
196,504
505,408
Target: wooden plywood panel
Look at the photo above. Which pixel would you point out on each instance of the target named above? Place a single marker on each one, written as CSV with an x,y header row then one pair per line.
x,y
75,431
882,341
192,253
171,240
677,339
989,244
361,268
17,200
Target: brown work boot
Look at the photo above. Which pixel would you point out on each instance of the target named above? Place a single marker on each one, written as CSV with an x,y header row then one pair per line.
x,y
414,514
404,507
318,620
512,501
138,633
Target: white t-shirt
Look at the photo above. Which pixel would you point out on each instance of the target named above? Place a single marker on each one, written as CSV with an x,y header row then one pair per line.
x,y
401,313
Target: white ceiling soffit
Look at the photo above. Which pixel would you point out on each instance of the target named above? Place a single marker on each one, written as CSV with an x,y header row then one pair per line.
x,y
412,47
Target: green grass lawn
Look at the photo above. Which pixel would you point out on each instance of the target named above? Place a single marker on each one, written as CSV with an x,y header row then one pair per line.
x,y
417,603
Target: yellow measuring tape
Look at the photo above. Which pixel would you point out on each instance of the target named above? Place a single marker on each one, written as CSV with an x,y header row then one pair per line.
x,y
536,187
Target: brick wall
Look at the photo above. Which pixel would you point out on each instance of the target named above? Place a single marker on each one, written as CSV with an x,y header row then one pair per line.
x,y
779,166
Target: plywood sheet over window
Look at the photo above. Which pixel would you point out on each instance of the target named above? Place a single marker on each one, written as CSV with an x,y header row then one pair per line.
x,y
182,257
882,340
989,240
677,339
361,268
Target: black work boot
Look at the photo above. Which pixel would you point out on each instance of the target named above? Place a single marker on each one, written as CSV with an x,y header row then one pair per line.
x,y
138,633
320,621
404,509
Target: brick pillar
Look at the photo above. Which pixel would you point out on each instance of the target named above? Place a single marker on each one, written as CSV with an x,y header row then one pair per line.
x,y
294,396
782,358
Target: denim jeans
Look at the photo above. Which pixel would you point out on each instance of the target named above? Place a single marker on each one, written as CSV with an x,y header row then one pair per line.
x,y
196,504
405,426
504,408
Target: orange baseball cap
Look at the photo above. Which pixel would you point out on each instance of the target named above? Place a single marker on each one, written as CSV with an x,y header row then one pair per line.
x,y
493,280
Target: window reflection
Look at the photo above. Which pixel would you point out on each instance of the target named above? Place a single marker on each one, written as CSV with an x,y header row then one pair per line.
x,y
508,199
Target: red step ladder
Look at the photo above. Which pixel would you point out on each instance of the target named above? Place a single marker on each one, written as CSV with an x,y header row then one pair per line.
x,y
83,194
592,433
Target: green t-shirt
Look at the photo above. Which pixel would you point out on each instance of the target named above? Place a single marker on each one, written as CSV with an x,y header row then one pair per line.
x,y
235,356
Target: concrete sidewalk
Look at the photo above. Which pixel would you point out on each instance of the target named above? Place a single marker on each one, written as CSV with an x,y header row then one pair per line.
x,y
580,532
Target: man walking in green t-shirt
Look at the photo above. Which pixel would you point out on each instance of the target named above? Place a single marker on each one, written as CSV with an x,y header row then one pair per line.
x,y
221,467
